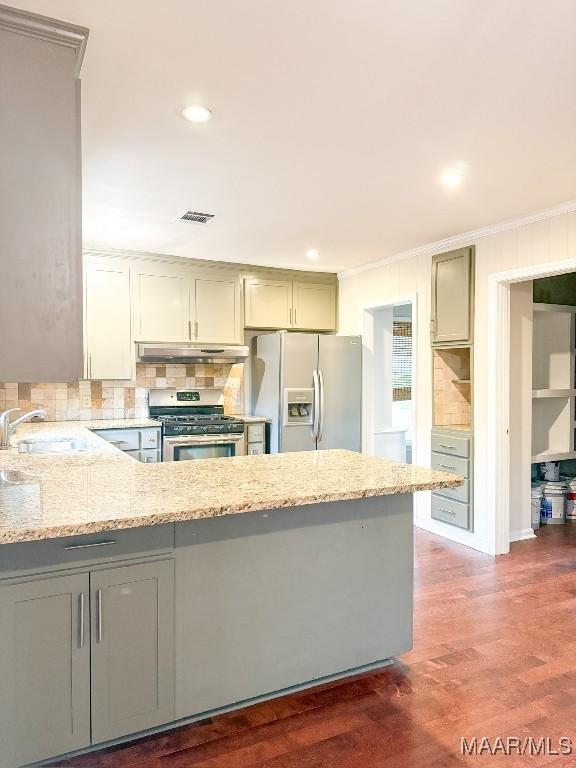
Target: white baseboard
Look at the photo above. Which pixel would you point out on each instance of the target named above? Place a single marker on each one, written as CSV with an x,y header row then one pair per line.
x,y
527,533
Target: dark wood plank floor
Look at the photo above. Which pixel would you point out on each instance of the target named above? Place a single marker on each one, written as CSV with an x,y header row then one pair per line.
x,y
494,654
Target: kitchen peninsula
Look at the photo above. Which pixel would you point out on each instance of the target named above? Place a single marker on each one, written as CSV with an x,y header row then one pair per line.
x,y
134,596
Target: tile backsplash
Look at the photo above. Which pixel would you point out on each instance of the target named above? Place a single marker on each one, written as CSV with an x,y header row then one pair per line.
x,y
90,400
452,388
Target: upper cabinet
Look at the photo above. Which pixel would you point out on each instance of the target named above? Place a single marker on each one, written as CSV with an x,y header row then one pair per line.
x,y
216,310
267,303
314,307
452,297
179,304
161,303
273,304
107,320
40,185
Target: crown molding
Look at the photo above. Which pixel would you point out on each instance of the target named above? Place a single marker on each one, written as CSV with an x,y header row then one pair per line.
x,y
46,28
459,241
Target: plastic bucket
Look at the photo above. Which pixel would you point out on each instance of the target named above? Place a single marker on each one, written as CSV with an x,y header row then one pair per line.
x,y
553,503
536,505
571,502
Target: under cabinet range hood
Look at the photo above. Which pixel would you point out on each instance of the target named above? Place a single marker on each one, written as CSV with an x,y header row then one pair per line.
x,y
191,353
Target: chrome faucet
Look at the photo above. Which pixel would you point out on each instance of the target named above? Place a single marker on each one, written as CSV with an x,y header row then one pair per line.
x,y
7,427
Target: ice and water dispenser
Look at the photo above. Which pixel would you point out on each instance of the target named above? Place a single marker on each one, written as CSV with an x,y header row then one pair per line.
x,y
298,406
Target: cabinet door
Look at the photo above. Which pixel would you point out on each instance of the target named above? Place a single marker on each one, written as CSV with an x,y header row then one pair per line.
x,y
161,303
218,310
44,668
132,610
267,304
452,279
108,333
314,307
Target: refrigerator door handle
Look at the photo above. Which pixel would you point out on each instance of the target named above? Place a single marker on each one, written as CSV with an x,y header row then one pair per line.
x,y
321,417
316,405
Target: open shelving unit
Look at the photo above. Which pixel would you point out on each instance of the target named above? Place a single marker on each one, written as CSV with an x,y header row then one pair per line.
x,y
553,382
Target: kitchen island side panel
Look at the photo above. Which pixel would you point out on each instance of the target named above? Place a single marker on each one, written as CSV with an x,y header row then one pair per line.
x,y
270,600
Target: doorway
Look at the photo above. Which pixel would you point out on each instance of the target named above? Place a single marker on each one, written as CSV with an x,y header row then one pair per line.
x,y
517,434
388,380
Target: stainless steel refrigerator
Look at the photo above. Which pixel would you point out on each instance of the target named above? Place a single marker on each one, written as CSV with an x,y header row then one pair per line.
x,y
310,386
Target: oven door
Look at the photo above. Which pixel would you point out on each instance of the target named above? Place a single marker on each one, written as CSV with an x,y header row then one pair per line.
x,y
189,447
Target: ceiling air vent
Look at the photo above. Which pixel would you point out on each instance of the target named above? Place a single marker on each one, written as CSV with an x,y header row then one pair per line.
x,y
195,217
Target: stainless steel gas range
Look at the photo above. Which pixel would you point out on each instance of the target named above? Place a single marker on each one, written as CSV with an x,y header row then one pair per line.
x,y
194,425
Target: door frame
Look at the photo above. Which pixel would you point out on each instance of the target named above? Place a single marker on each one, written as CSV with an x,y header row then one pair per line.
x,y
366,325
498,479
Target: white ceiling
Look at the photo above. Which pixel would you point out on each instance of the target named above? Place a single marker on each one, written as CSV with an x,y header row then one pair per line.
x,y
332,122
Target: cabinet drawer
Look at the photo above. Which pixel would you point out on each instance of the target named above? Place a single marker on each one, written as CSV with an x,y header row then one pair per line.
x,y
456,446
453,464
149,438
450,511
255,433
462,493
71,551
150,456
255,449
124,439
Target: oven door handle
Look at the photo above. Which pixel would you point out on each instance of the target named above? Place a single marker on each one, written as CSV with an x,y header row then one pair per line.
x,y
200,439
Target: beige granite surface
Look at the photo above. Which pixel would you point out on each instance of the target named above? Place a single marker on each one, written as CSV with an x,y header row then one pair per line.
x,y
102,489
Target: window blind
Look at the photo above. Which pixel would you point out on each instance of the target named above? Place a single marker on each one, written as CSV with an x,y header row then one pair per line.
x,y
401,360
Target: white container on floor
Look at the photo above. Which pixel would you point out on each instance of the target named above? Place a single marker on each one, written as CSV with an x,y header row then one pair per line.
x,y
571,502
536,505
553,503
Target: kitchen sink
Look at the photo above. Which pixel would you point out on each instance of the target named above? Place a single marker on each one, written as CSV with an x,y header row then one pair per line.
x,y
52,445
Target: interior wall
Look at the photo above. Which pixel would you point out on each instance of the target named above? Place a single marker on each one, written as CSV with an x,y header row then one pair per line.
x,y
520,409
549,240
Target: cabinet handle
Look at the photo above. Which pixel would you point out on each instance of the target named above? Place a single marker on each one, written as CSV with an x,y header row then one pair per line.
x,y
448,447
81,620
290,316
89,365
447,466
89,546
295,320
447,511
98,615
196,329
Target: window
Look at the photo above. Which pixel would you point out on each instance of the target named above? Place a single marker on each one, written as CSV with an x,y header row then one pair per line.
x,y
401,360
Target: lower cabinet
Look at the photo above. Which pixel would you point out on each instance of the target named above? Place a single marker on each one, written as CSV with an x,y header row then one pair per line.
x,y
45,669
132,648
85,658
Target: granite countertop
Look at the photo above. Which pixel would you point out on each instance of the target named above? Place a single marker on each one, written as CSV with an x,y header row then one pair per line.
x,y
45,496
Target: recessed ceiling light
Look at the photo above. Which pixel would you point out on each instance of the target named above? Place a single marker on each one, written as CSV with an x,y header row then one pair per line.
x,y
197,114
312,254
453,176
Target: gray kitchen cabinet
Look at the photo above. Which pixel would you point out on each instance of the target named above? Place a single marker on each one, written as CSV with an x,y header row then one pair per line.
x,y
132,648
453,453
45,668
452,296
40,185
141,443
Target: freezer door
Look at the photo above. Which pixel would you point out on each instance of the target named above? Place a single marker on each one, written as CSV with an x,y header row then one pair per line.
x,y
340,366
299,358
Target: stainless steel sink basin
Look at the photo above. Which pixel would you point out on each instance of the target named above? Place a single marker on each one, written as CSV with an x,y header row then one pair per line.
x,y
51,445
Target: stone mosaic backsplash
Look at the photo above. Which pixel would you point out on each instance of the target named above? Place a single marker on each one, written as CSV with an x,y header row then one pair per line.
x,y
89,400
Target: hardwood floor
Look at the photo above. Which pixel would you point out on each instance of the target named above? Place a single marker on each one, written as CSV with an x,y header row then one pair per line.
x,y
494,655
